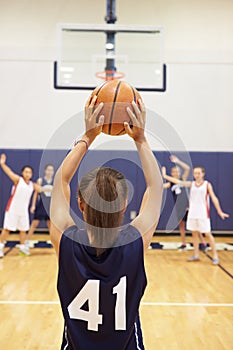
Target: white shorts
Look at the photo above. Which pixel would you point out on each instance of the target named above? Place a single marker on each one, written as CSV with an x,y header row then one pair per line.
x,y
15,222
200,225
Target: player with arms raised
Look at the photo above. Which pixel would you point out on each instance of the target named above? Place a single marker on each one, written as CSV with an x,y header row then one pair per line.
x,y
101,277
199,209
16,215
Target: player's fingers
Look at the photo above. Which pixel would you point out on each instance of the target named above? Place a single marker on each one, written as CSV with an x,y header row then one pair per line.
x,y
142,106
128,130
90,106
132,116
140,115
92,103
136,109
88,101
97,110
101,120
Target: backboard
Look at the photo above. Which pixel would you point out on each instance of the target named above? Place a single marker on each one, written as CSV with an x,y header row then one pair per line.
x,y
89,54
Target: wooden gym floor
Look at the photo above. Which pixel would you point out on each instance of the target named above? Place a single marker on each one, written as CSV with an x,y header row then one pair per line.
x,y
186,305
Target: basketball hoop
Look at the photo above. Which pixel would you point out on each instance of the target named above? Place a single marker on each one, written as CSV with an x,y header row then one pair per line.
x,y
108,75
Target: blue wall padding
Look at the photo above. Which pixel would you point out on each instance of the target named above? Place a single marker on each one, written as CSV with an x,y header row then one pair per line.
x,y
218,165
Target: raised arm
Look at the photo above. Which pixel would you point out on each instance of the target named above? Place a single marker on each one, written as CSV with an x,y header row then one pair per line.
x,y
183,165
149,213
175,180
166,185
216,203
60,201
7,170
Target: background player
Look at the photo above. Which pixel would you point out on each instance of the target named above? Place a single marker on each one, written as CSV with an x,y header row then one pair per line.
x,y
41,201
180,196
16,215
112,280
199,211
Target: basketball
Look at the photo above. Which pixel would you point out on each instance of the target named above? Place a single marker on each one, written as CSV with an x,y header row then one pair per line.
x,y
116,95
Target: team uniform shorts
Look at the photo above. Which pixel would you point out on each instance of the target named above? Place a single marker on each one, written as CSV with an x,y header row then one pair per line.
x,y
200,225
42,211
13,221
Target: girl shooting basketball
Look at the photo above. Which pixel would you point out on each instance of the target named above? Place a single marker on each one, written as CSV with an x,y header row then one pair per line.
x,y
199,214
16,214
101,276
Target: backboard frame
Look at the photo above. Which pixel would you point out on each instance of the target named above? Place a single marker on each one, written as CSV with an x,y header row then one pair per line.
x,y
107,28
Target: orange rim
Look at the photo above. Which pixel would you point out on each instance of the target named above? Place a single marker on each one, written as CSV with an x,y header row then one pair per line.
x,y
109,75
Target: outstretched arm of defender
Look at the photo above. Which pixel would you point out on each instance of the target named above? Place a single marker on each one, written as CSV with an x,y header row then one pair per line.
x,y
216,203
175,180
183,165
149,213
60,201
7,170
166,185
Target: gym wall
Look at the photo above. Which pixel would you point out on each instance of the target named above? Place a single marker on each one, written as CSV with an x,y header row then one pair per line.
x,y
127,162
197,105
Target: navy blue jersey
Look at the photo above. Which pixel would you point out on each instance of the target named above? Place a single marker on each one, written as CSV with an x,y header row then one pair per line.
x,y
100,296
181,200
43,202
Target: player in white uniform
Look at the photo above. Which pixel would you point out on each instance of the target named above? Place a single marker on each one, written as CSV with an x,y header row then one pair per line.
x,y
181,198
199,213
16,214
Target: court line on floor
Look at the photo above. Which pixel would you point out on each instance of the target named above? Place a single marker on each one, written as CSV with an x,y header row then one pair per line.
x,y
220,266
9,250
144,303
186,304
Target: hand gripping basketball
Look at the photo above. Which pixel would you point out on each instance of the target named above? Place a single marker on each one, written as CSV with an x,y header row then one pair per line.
x,y
138,120
116,95
93,127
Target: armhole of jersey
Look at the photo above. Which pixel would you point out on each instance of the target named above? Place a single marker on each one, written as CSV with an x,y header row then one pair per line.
x,y
13,190
64,237
142,245
207,190
141,251
142,256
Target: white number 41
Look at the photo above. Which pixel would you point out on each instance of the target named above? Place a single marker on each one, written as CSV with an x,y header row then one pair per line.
x,y
90,292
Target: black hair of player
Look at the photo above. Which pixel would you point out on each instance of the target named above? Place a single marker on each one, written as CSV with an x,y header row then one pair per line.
x,y
26,166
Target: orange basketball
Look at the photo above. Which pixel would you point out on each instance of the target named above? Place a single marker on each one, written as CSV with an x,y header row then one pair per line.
x,y
116,95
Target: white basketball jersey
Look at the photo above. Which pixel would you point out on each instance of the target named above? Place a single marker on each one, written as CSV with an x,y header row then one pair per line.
x,y
199,204
20,197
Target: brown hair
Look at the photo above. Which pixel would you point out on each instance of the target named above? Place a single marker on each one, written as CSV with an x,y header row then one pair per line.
x,y
175,168
47,165
103,192
200,167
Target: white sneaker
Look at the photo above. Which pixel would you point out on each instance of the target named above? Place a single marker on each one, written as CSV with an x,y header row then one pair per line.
x,y
24,250
1,250
27,244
